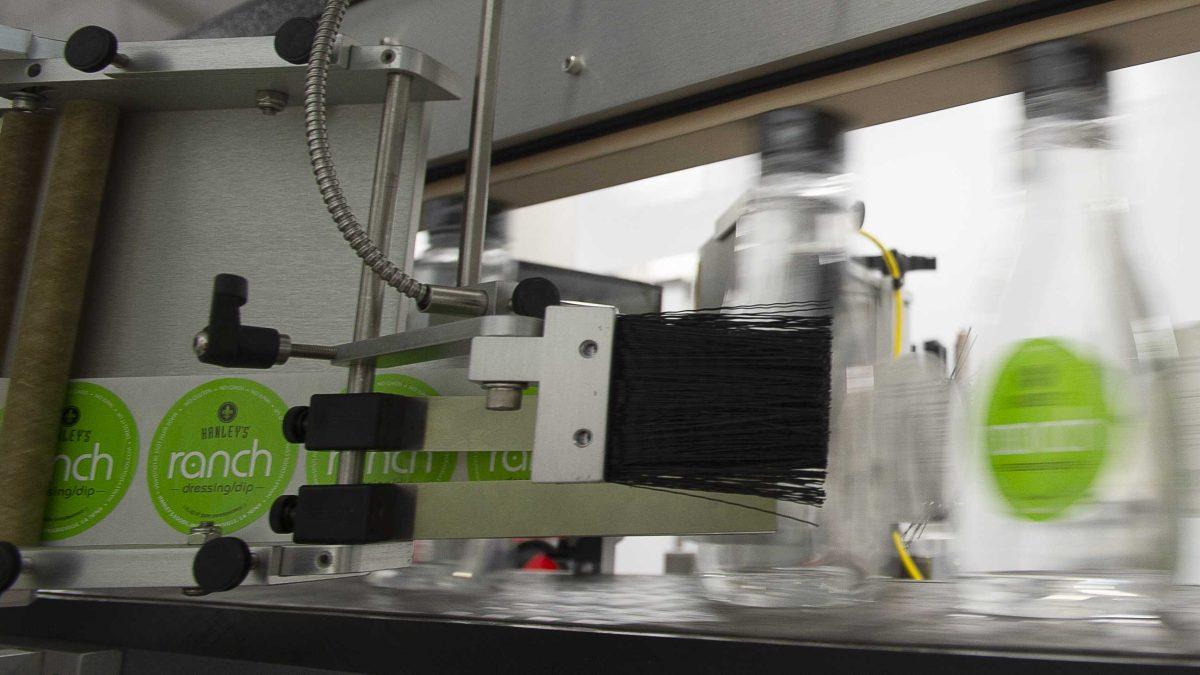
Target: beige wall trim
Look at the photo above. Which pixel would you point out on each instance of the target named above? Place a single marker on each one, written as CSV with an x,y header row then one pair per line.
x,y
969,70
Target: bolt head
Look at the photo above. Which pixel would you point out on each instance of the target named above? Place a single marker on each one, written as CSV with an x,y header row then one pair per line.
x,y
200,343
573,64
270,101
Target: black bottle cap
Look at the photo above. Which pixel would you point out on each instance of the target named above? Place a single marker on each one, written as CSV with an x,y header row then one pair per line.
x,y
91,49
222,564
801,139
294,39
1064,77
443,219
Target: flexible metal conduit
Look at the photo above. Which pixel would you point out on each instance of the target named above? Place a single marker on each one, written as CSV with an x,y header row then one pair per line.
x,y
316,132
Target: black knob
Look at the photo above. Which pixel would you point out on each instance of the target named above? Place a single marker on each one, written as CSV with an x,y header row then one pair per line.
x,y
282,516
222,564
294,39
225,341
295,424
532,296
91,49
10,565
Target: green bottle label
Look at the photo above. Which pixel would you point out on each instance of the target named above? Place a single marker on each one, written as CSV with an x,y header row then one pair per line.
x,y
387,466
1048,428
219,455
94,463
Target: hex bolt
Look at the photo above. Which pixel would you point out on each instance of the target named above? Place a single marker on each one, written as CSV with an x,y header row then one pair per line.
x,y
505,396
202,532
270,101
200,343
26,101
573,65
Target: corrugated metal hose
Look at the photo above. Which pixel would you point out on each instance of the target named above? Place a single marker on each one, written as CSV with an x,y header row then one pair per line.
x,y
319,154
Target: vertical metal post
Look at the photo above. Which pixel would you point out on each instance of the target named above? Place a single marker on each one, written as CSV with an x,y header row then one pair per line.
x,y
479,154
379,229
408,205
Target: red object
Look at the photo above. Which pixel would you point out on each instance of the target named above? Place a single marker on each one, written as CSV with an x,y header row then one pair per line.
x,y
540,561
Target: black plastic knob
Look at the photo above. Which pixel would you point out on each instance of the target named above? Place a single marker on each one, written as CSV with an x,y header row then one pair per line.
x,y
225,341
532,296
222,564
91,49
294,39
282,516
295,424
10,565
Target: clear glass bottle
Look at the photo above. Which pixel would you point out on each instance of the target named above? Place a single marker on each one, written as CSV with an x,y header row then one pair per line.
x,y
791,247
1065,511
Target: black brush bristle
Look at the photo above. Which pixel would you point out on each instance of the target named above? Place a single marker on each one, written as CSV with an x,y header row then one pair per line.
x,y
732,399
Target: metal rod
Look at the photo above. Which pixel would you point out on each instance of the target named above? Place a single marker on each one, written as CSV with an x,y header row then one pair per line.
x,y
408,206
479,154
379,229
320,352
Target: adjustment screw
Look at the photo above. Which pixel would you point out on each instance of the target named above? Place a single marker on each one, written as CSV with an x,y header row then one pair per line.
x,y
92,49
270,101
221,564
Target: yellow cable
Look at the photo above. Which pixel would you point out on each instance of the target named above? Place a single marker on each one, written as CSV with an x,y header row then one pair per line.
x,y
893,267
906,559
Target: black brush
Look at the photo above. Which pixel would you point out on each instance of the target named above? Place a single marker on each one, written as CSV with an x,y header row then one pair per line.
x,y
732,399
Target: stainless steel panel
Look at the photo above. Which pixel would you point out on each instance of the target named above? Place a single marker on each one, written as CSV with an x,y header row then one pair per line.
x,y
195,193
636,52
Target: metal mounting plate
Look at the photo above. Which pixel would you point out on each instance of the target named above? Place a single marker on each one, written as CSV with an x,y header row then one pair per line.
x,y
571,364
438,342
225,73
154,566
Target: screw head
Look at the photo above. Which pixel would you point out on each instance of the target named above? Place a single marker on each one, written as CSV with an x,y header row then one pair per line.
x,y
26,101
270,101
200,343
583,438
573,65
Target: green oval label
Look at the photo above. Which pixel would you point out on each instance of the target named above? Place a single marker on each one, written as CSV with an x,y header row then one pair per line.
x,y
1048,428
400,466
219,455
94,462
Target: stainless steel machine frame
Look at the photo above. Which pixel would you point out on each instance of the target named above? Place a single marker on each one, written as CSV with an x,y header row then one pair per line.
x,y
230,73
